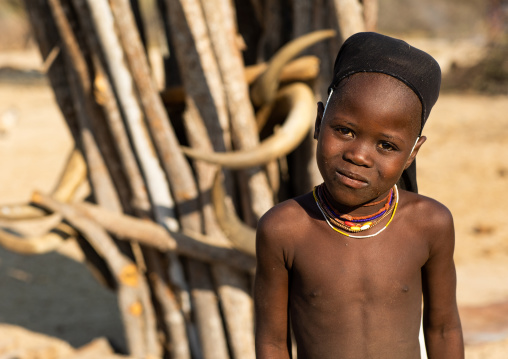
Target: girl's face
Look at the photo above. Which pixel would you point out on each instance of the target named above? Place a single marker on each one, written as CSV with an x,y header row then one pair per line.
x,y
365,137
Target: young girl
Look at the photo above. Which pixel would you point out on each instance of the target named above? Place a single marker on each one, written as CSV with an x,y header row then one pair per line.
x,y
346,265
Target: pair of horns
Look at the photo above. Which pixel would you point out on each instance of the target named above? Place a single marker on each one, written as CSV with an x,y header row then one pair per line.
x,y
286,139
264,91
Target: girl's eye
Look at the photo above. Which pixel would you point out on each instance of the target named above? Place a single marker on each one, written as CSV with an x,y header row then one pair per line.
x,y
386,146
345,131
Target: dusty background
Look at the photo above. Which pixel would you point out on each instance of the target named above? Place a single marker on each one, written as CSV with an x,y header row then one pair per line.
x,y
464,164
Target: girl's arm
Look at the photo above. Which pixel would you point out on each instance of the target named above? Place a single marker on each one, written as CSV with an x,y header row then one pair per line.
x,y
441,322
271,291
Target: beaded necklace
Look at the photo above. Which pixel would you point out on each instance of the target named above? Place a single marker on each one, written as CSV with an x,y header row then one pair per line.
x,y
324,197
348,222
392,210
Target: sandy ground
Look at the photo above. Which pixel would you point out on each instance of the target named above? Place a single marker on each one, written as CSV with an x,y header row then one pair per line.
x,y
463,164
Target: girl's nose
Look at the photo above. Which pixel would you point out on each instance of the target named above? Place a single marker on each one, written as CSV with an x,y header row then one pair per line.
x,y
358,154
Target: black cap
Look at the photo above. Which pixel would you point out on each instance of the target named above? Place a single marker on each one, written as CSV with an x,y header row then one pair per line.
x,y
373,52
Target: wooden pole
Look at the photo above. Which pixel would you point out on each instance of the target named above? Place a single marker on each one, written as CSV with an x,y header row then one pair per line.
x,y
219,17
146,344
349,17
370,11
105,96
203,85
123,85
47,36
77,70
178,172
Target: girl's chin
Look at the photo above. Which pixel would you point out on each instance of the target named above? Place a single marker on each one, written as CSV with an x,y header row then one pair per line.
x,y
350,197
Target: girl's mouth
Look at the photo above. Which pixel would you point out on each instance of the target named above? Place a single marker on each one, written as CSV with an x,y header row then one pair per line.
x,y
350,179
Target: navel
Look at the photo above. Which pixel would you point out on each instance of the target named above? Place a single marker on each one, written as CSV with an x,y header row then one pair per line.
x,y
315,294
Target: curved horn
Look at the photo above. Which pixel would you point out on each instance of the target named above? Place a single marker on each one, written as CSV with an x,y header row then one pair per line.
x,y
304,68
286,139
265,88
241,236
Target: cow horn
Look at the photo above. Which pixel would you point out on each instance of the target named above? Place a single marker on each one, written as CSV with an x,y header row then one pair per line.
x,y
265,87
292,132
241,236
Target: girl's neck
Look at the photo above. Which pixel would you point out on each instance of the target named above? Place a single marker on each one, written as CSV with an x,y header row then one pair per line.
x,y
365,209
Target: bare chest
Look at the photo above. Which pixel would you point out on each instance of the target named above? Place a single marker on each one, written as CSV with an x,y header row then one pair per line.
x,y
334,270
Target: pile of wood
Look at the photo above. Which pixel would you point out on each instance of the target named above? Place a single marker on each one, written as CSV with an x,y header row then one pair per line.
x,y
191,118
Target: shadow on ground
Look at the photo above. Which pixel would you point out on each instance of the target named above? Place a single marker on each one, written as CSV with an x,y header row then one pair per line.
x,y
57,296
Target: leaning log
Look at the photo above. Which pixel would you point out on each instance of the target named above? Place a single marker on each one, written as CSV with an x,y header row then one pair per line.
x,y
187,243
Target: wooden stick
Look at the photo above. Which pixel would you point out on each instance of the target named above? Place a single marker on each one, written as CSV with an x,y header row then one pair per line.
x,y
134,299
258,9
157,185
105,96
177,170
302,22
177,342
156,45
191,244
77,68
238,308
32,245
47,37
106,195
211,331
199,69
370,13
204,120
304,172
222,29
271,38
206,125
33,226
123,85
349,17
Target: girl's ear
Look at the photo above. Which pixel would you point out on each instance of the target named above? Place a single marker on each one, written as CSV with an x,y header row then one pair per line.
x,y
419,143
319,118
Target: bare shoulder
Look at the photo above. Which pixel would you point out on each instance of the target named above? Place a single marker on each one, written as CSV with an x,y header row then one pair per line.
x,y
428,216
283,224
283,215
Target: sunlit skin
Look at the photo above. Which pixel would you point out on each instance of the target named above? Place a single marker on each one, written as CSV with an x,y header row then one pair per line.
x,y
359,298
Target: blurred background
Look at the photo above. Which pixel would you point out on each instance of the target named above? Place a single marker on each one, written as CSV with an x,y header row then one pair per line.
x,y
53,300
